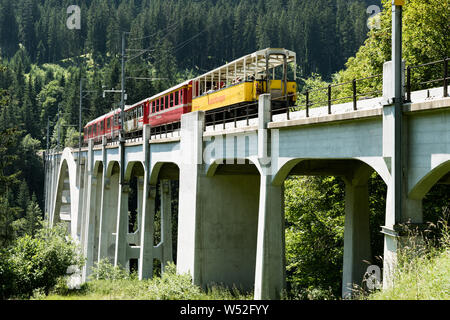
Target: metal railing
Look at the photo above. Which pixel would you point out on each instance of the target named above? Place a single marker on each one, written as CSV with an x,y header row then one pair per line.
x,y
234,113
340,92
423,71
165,128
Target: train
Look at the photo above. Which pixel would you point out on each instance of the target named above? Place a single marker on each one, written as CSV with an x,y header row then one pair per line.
x,y
233,85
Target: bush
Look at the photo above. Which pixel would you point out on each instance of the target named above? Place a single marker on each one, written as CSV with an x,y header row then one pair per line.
x,y
37,262
6,275
173,286
104,270
422,271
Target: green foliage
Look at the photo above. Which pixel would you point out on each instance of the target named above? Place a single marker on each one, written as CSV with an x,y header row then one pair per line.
x,y
314,209
71,137
170,286
31,222
317,97
37,262
422,271
6,275
104,270
425,24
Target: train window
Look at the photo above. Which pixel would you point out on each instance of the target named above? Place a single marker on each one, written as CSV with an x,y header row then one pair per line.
x,y
140,111
165,104
102,126
95,129
181,97
172,99
176,97
153,106
108,123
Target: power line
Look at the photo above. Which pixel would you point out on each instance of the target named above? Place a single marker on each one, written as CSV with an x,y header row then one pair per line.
x,y
154,34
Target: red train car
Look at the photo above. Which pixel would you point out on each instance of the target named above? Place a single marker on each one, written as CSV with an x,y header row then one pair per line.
x,y
168,106
106,125
161,109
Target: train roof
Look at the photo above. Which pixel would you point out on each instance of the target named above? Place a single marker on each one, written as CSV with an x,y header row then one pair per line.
x,y
251,63
102,117
185,83
128,107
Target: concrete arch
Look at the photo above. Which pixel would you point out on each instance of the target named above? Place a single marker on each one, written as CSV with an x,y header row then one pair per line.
x,y
67,169
129,169
156,169
429,180
110,168
212,167
378,165
97,164
284,171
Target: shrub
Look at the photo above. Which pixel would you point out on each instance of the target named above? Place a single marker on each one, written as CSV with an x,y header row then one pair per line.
x,y
422,270
37,262
173,286
6,275
104,270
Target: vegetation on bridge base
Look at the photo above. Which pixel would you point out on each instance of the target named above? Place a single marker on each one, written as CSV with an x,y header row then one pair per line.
x,y
423,271
113,283
36,262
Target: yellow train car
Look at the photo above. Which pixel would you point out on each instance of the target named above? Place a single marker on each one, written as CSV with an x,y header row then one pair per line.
x,y
243,80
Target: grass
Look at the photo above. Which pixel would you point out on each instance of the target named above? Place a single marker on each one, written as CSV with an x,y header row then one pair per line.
x,y
428,279
423,271
170,286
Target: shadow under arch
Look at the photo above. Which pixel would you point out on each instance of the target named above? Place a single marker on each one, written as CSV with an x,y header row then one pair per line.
x,y
429,180
164,170
134,168
113,167
361,239
67,170
332,167
228,195
233,166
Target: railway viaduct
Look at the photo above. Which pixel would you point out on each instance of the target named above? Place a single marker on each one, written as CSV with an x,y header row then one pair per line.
x,y
230,201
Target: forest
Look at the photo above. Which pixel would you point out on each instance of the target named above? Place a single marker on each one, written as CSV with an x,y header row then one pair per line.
x,y
42,62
